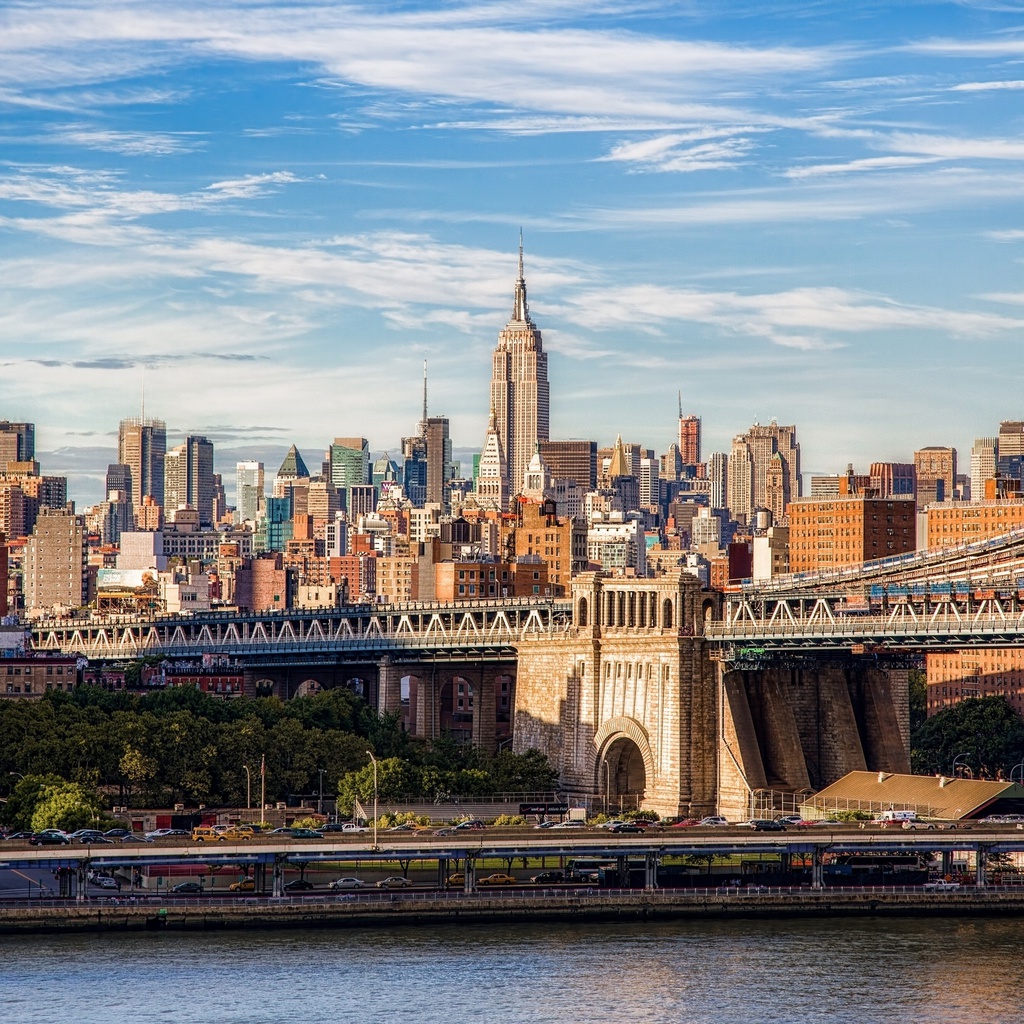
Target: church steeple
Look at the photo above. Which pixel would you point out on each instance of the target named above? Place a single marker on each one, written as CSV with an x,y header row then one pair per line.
x,y
520,308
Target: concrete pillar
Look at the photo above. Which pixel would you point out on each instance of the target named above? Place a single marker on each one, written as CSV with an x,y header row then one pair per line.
x,y
389,687
469,886
80,883
980,870
817,867
650,872
622,867
484,710
442,872
947,863
278,876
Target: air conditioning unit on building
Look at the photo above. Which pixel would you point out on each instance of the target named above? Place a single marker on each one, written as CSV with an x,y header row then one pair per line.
x,y
179,807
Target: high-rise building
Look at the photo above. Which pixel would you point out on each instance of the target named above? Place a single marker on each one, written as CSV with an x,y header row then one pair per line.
x,y
757,479
439,460
935,470
56,562
984,454
142,445
350,464
188,478
250,492
492,472
519,387
689,436
893,480
571,460
718,480
17,443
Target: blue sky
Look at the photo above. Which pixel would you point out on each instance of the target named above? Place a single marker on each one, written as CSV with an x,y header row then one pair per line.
x,y
273,212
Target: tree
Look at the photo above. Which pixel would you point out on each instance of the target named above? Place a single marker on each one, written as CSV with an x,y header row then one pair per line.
x,y
135,769
985,728
64,805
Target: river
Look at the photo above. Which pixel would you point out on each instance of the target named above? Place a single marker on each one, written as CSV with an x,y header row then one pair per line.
x,y
856,971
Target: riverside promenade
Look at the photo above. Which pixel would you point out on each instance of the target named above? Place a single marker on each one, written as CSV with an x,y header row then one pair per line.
x,y
436,908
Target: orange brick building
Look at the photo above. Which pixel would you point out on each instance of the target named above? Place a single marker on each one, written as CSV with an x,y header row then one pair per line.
x,y
965,521
833,532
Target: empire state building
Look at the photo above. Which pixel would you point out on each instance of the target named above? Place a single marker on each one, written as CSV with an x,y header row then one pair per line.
x,y
519,387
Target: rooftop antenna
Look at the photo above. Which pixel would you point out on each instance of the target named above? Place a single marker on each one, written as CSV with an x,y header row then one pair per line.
x,y
143,392
680,405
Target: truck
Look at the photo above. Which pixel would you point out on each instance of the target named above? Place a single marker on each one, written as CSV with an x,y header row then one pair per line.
x,y
887,818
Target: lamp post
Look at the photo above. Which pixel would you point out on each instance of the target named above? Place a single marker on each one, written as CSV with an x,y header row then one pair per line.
x,y
956,759
374,760
18,774
607,785
320,792
1014,768
248,787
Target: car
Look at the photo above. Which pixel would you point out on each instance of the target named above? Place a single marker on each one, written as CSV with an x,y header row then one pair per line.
x,y
19,836
941,885
497,878
791,820
394,882
80,833
117,833
628,826
132,838
350,827
686,823
923,826
444,832
103,882
571,823
347,883
50,837
187,887
457,879
407,826
613,823
546,824
157,833
243,885
766,825
298,885
469,826
548,876
713,820
332,826
280,832
97,838
307,833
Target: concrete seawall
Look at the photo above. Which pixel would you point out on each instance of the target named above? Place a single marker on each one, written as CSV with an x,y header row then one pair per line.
x,y
440,908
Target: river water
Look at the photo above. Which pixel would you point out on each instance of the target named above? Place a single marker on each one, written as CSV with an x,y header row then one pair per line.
x,y
858,971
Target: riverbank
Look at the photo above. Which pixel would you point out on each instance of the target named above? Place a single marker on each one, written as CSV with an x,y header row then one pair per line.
x,y
435,908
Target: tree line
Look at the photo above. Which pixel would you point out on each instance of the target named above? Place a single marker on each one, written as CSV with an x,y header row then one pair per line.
x,y
180,745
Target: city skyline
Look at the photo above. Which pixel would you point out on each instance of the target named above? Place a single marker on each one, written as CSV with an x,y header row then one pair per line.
x,y
802,213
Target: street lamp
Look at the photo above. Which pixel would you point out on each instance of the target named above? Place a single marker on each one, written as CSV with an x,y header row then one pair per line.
x,y
374,760
19,775
320,792
1014,768
248,787
957,758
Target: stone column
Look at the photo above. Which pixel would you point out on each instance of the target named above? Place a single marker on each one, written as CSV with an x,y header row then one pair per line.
x,y
484,709
389,687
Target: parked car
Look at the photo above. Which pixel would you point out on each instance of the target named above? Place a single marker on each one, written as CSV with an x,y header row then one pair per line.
x,y
941,885
628,826
548,876
185,888
243,885
347,883
50,837
497,878
103,881
394,882
298,885
767,825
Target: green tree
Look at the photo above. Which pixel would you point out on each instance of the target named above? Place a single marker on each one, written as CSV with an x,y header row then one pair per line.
x,y
65,805
135,768
985,728
17,811
918,681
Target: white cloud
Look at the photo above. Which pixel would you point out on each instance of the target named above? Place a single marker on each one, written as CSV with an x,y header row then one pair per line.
x,y
988,86
709,149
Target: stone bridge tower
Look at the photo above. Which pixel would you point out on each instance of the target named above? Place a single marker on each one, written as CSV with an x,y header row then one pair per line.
x,y
623,702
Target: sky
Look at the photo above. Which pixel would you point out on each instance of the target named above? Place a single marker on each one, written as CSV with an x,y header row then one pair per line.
x,y
264,216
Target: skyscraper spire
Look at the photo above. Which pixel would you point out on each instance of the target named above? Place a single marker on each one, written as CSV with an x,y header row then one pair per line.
x,y
680,405
520,308
423,422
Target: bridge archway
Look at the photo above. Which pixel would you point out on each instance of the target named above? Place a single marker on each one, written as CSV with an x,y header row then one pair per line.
x,y
625,764
264,687
308,688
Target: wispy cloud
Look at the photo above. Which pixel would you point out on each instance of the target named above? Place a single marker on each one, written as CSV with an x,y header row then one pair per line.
x,y
709,149
128,143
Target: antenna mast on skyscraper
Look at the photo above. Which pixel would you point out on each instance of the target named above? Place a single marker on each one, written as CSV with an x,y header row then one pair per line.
x,y
680,405
423,422
143,392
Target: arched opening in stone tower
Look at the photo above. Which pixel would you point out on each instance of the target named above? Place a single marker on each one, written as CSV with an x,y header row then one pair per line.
x,y
622,778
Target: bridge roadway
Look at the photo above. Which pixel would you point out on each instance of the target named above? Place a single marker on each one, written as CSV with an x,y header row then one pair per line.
x,y
481,630
652,846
